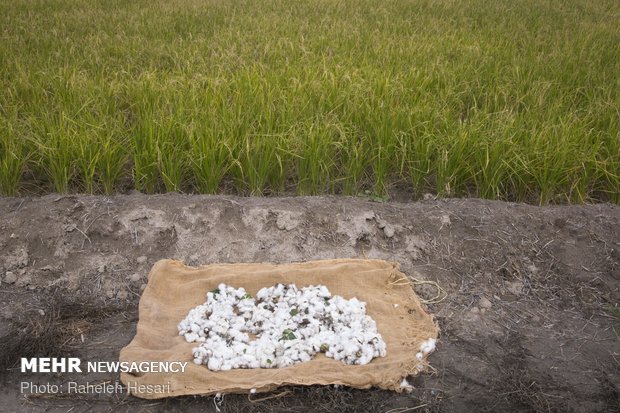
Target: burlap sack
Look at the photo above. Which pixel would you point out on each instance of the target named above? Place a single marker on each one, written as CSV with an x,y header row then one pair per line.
x,y
173,289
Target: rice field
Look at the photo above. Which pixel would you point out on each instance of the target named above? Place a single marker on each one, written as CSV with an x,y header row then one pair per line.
x,y
505,99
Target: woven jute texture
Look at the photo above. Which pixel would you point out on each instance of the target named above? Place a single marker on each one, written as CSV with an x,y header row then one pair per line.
x,y
174,288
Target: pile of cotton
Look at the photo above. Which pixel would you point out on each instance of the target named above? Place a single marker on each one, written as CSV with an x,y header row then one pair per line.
x,y
283,325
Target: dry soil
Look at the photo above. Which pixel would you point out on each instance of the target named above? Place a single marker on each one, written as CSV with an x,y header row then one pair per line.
x,y
530,319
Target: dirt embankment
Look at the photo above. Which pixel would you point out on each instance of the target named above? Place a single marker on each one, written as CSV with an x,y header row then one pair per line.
x,y
528,323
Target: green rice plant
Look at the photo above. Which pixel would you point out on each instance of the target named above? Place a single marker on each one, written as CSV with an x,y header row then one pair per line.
x,y
491,170
146,132
452,168
87,157
380,128
504,100
551,163
210,159
11,166
53,137
260,160
353,161
113,160
382,163
582,182
316,161
145,157
172,154
418,150
607,169
259,136
214,139
13,157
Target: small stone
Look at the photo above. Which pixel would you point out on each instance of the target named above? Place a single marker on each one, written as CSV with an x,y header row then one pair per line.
x,y
484,303
122,295
142,287
101,269
10,277
286,221
472,317
135,277
515,287
24,280
141,259
109,293
445,220
41,312
388,230
475,310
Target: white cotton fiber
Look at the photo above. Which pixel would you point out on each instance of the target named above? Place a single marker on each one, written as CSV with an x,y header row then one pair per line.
x,y
291,325
428,346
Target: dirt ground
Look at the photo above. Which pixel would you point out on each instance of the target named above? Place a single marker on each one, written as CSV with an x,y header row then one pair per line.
x,y
530,321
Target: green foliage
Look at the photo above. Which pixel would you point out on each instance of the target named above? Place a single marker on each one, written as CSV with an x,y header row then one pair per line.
x,y
501,100
288,335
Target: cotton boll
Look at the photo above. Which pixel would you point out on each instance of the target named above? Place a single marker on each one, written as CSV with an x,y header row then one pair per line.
x,y
239,347
419,356
368,353
350,348
262,294
406,386
214,364
208,324
267,363
324,292
284,362
428,346
279,350
236,363
365,359
191,337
